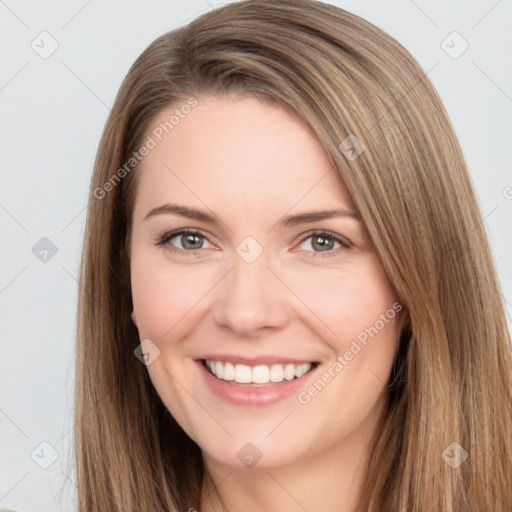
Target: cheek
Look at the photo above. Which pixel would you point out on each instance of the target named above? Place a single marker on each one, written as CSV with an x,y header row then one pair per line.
x,y
362,310
350,303
162,296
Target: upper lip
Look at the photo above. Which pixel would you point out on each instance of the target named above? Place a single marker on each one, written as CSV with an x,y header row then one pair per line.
x,y
255,361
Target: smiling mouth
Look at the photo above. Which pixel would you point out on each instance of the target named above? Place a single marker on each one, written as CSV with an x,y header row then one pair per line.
x,y
257,376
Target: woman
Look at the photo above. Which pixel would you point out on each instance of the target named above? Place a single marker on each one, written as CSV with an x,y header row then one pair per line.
x,y
241,349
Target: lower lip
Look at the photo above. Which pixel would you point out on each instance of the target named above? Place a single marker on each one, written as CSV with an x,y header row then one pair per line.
x,y
253,396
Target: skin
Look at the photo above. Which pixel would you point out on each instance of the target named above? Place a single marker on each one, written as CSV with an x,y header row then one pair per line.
x,y
251,163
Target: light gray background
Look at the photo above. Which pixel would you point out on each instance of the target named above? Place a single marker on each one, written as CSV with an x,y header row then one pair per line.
x,y
53,113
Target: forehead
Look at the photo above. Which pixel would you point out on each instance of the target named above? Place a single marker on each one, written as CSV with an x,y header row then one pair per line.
x,y
238,151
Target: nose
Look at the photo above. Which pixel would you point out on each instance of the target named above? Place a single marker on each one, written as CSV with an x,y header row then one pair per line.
x,y
251,299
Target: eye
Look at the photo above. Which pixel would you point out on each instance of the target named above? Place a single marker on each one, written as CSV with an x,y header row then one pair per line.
x,y
190,240
325,241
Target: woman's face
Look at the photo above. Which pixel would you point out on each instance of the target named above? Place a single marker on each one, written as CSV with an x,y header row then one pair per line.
x,y
254,291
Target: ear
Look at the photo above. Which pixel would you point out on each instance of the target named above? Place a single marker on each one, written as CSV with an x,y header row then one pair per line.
x,y
134,318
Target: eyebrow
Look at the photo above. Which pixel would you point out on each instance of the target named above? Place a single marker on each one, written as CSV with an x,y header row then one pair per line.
x,y
288,221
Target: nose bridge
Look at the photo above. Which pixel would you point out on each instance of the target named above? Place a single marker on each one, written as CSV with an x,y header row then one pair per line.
x,y
251,297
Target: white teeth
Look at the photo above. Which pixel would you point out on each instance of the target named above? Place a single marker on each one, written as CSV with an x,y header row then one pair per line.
x,y
228,372
289,371
261,374
276,373
242,373
219,367
301,369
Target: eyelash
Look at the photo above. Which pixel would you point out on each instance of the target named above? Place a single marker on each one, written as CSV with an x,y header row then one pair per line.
x,y
167,237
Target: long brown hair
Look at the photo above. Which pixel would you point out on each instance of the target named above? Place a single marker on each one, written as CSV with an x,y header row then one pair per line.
x,y
452,377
